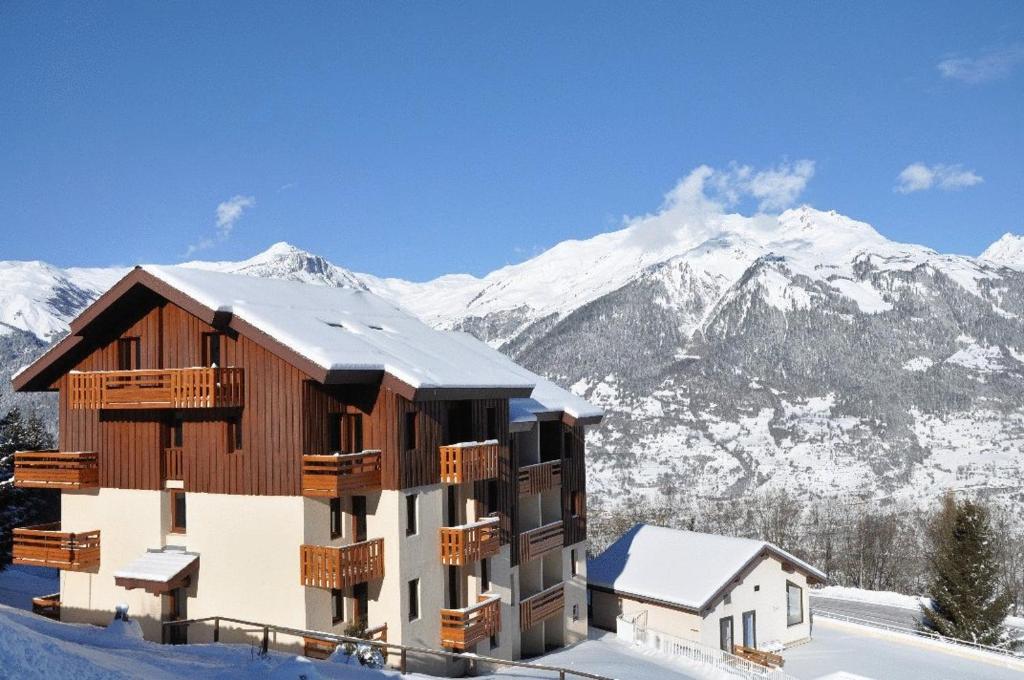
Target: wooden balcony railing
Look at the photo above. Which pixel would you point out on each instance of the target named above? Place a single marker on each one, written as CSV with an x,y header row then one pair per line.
x,y
173,463
158,388
469,462
539,477
47,605
45,545
463,628
337,568
543,605
468,543
56,469
330,476
540,541
320,648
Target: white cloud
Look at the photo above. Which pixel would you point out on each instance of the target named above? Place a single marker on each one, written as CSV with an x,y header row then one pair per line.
x,y
991,65
920,177
228,213
698,202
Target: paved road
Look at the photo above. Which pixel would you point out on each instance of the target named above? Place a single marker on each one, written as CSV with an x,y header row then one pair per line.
x,y
868,611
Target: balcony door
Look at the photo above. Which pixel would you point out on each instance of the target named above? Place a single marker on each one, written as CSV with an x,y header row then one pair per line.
x,y
725,639
460,422
129,354
750,629
176,611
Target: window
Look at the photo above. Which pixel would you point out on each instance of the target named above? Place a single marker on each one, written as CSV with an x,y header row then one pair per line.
x,y
576,503
725,639
361,594
177,512
492,423
410,515
794,604
572,562
575,612
335,517
353,432
128,354
337,606
414,599
485,575
234,434
757,588
211,349
727,599
410,430
358,518
177,432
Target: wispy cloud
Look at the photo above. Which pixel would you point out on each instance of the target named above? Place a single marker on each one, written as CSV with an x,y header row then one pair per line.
x,y
921,177
698,202
990,65
228,213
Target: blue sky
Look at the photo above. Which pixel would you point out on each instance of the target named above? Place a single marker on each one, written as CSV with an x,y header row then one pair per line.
x,y
417,139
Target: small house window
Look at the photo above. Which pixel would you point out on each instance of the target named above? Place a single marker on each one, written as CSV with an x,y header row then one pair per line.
x,y
410,430
128,354
410,515
414,599
794,604
211,349
757,588
337,606
492,423
178,512
727,599
335,518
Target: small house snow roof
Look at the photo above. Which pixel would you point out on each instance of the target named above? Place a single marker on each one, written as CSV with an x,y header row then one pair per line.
x,y
682,568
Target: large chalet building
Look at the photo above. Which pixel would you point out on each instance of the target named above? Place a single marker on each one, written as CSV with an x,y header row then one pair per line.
x,y
309,457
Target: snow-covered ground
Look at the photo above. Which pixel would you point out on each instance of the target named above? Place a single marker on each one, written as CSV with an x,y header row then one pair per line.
x,y
855,650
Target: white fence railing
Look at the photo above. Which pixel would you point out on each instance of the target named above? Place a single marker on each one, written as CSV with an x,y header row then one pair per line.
x,y
633,629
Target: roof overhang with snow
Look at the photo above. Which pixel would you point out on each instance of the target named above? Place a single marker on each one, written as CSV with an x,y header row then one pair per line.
x,y
158,571
336,336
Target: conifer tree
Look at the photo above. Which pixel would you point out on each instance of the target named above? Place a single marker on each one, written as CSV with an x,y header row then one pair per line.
x,y
21,506
967,601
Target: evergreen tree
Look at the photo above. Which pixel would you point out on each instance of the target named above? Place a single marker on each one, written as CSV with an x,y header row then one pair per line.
x,y
19,507
967,600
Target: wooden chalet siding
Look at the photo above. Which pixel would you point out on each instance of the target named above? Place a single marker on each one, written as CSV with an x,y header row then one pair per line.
x,y
270,459
574,479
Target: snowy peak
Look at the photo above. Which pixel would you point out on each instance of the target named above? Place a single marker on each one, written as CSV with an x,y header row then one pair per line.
x,y
285,261
1007,251
41,299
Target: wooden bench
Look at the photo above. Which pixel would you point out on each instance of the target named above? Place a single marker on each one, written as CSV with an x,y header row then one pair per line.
x,y
761,658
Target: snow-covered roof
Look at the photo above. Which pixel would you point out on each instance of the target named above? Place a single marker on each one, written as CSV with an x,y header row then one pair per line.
x,y
159,566
684,568
345,329
547,397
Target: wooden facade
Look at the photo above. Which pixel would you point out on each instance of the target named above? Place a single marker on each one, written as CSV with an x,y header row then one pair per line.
x,y
574,481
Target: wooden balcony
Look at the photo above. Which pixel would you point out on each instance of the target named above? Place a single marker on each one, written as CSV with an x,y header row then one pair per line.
x,y
330,476
56,469
463,628
538,542
172,463
540,477
157,388
543,605
45,545
469,462
337,568
468,543
47,605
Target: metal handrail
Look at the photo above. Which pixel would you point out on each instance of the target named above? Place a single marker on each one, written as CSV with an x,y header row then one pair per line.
x,y
403,650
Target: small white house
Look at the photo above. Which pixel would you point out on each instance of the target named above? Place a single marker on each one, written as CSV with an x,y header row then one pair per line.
x,y
719,591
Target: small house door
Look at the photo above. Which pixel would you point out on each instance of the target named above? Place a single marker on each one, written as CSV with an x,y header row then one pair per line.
x,y
750,629
725,634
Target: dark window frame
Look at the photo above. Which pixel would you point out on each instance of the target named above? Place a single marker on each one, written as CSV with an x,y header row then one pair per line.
x,y
412,515
129,353
336,518
752,613
485,575
413,590
721,634
789,619
179,518
337,606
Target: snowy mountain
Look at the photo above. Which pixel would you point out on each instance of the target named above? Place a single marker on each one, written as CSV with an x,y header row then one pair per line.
x,y
730,352
1008,250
